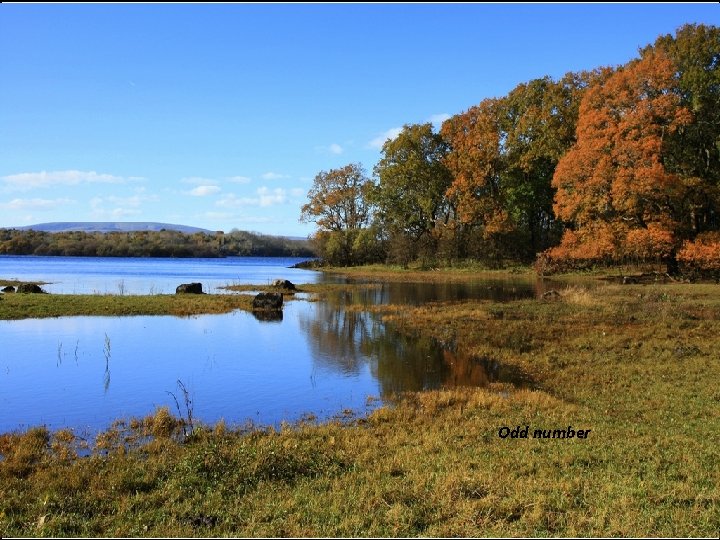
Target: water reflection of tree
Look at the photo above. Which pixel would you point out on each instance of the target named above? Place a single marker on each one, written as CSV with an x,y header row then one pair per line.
x,y
410,293
345,338
469,370
340,340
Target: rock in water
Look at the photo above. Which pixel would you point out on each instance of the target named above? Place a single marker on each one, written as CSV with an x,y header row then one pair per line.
x,y
29,288
268,301
189,288
284,284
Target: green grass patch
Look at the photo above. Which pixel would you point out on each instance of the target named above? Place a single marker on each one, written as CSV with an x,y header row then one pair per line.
x,y
24,306
462,273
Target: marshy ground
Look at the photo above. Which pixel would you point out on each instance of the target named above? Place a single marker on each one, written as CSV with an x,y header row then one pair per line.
x,y
636,364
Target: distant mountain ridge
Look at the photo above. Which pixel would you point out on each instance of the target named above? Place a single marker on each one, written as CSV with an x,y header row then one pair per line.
x,y
110,226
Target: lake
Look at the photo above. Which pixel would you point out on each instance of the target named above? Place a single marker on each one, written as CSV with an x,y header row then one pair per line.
x,y
110,275
320,358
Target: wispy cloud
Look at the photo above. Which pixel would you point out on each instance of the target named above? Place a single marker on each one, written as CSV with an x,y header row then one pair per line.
x,y
35,204
116,213
236,218
265,197
334,148
378,141
198,181
233,201
135,201
203,191
271,197
437,119
43,179
273,176
114,208
239,179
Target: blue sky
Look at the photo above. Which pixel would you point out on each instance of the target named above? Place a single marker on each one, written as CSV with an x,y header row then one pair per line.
x,y
220,115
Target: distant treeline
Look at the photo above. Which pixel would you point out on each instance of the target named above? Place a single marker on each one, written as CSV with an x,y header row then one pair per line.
x,y
165,243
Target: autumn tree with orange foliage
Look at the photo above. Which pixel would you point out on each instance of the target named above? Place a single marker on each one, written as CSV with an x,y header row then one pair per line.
x,y
503,155
609,166
631,187
339,204
475,164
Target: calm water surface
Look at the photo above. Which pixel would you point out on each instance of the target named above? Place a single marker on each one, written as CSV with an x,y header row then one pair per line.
x,y
111,275
85,372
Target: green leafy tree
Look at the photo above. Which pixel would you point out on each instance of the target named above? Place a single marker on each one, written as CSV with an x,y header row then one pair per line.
x,y
410,194
693,150
538,127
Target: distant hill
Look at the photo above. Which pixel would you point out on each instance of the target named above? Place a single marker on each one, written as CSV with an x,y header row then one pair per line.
x,y
110,226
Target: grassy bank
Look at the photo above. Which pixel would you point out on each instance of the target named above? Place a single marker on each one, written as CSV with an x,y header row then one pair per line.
x,y
468,270
635,364
24,306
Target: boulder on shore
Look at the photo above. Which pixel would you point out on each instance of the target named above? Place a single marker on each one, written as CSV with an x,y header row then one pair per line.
x,y
551,295
268,301
189,288
8,289
284,284
30,288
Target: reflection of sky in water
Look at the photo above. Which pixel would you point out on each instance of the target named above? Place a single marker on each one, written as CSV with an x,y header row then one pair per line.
x,y
237,368
85,372
106,275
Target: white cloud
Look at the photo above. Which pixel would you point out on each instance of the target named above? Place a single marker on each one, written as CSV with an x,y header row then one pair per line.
x,y
121,213
265,197
271,198
100,213
273,176
43,179
297,192
255,219
233,201
239,179
216,215
35,204
135,201
115,208
236,218
437,119
198,181
336,149
203,191
378,141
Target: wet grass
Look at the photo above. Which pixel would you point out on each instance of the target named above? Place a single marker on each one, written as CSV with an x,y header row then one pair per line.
x,y
460,273
312,288
636,364
24,306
